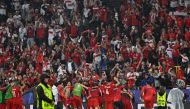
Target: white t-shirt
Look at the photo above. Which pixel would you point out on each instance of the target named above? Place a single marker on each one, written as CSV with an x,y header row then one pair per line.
x,y
3,11
132,75
17,17
70,4
97,57
117,44
25,7
10,20
51,33
61,20
55,93
169,52
69,65
188,70
85,12
173,3
60,70
22,32
184,58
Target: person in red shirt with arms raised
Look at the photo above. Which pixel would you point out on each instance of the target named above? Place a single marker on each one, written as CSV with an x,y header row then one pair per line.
x,y
109,94
93,98
17,96
126,98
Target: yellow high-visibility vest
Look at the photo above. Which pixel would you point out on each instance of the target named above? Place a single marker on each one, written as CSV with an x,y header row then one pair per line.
x,y
48,93
161,100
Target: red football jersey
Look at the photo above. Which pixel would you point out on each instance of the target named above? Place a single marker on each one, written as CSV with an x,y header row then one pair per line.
x,y
94,92
148,93
16,91
109,89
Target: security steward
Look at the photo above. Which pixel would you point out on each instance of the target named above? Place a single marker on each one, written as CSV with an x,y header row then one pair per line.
x,y
162,98
44,94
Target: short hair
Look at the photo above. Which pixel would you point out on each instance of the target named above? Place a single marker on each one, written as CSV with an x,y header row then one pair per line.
x,y
149,82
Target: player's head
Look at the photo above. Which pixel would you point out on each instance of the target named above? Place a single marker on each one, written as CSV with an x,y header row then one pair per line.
x,y
80,80
149,82
108,79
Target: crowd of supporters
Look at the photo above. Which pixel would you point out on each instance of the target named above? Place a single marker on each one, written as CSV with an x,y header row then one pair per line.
x,y
128,42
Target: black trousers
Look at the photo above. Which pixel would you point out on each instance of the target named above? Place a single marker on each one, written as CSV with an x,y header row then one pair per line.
x,y
59,105
162,107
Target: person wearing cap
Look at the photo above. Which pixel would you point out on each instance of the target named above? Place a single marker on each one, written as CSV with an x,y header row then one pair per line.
x,y
44,93
176,95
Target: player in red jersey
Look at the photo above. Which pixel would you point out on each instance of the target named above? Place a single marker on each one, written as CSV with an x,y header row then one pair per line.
x,y
117,97
102,97
148,94
109,94
126,98
17,96
67,92
93,98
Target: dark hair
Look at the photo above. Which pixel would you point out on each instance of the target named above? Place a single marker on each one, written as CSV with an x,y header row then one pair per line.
x,y
149,82
109,79
43,76
80,80
57,83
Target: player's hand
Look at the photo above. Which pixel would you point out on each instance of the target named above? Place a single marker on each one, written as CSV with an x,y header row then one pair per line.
x,y
141,99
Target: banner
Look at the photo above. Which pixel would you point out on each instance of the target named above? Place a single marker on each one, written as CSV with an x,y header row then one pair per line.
x,y
29,97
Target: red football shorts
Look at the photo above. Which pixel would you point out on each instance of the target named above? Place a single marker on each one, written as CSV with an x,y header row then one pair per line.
x,y
101,100
109,102
77,102
149,104
2,106
9,104
93,102
17,103
67,101
127,103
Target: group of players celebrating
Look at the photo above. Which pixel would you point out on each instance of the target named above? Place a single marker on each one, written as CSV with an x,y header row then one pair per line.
x,y
109,94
